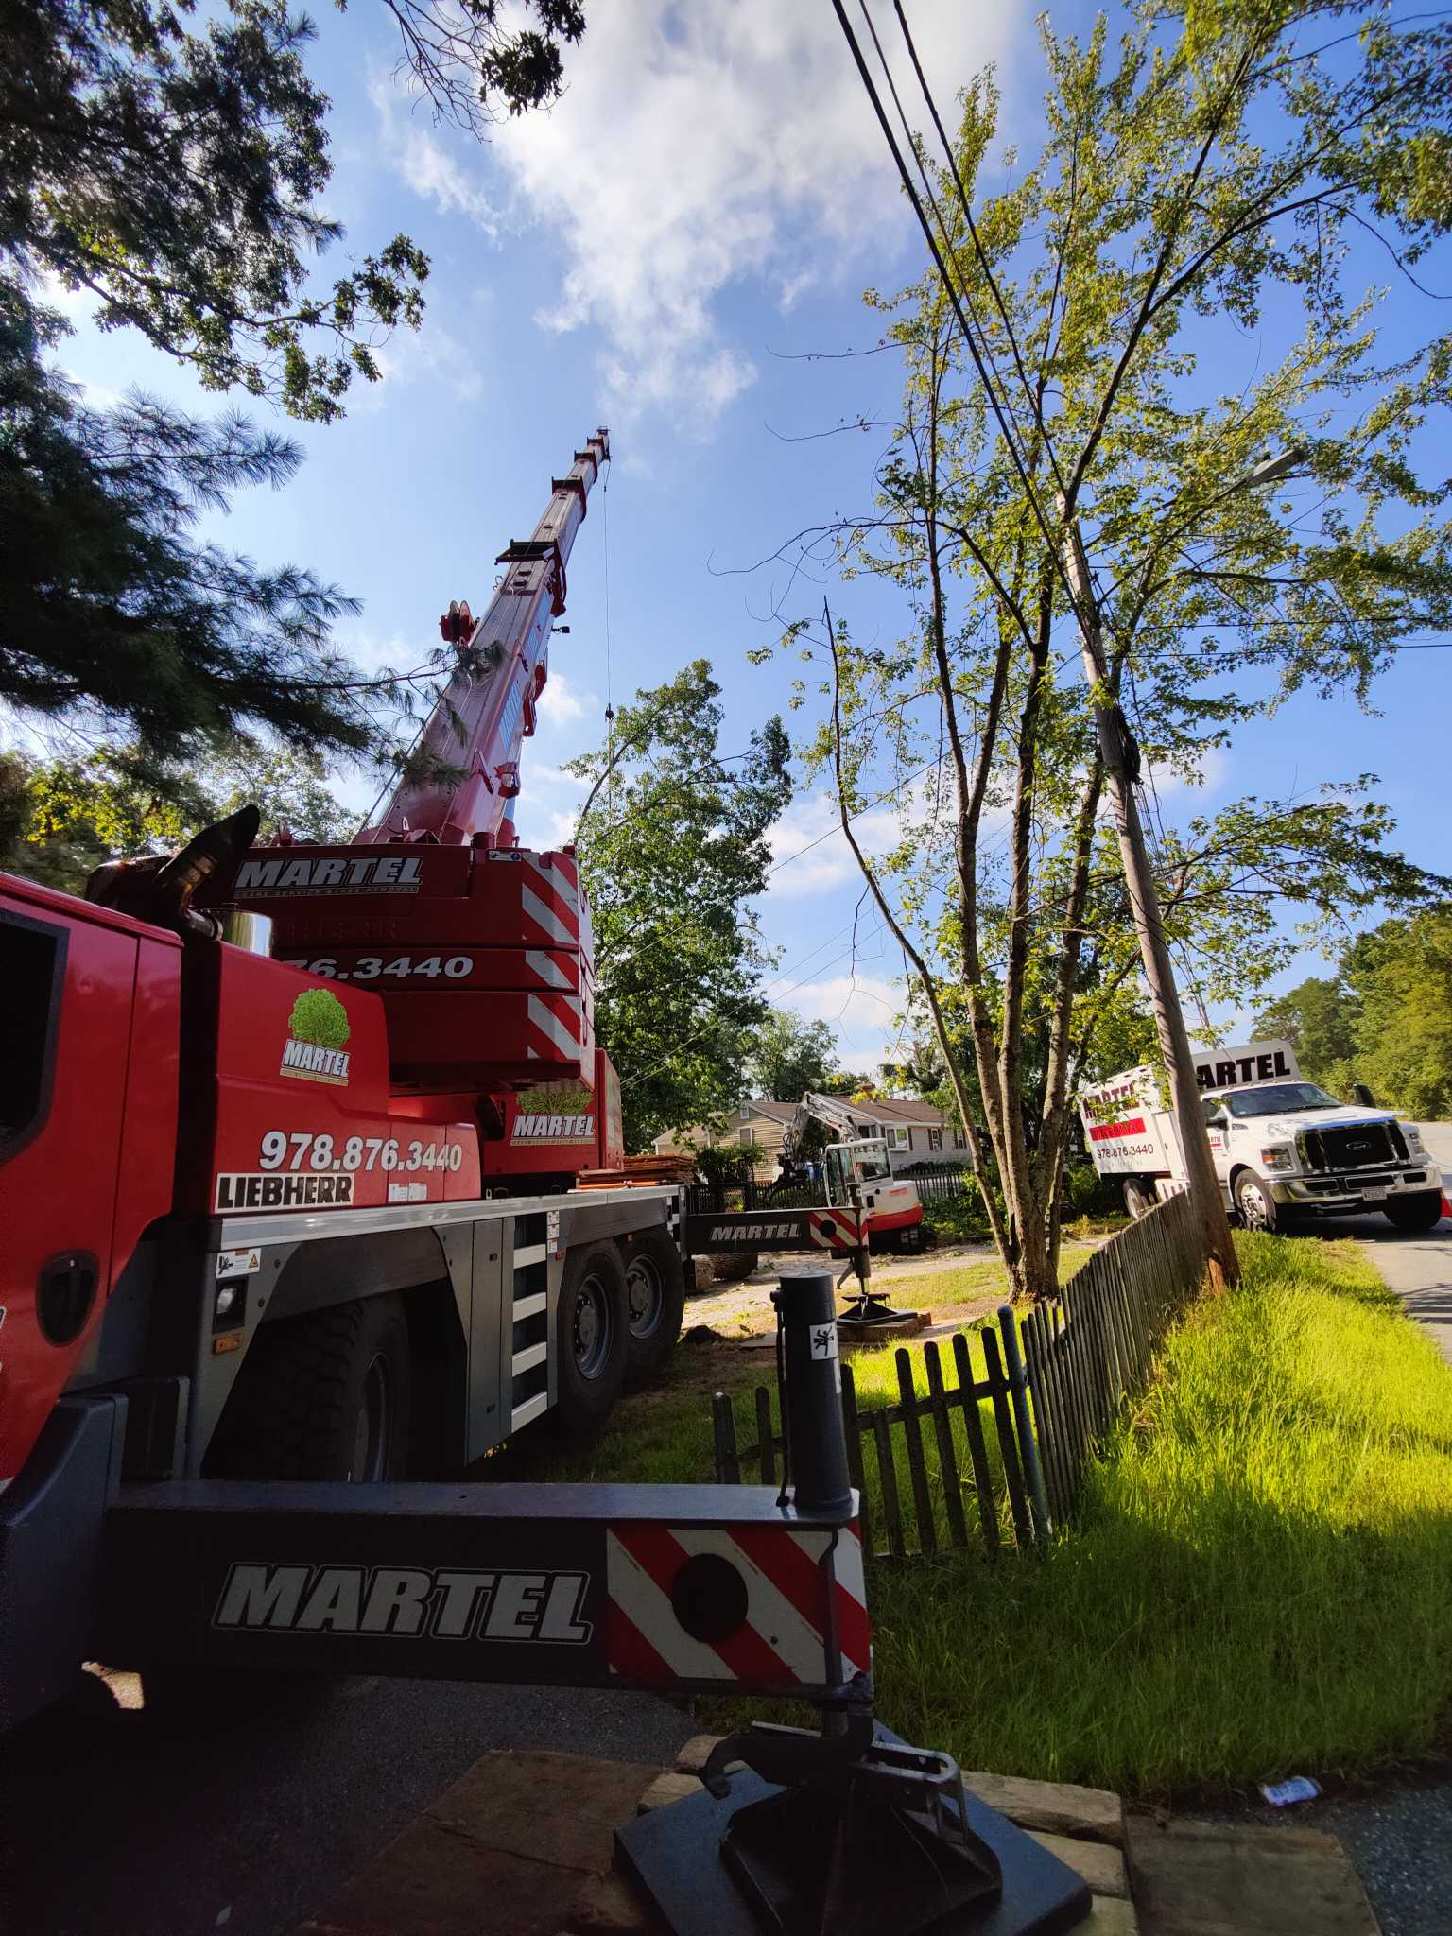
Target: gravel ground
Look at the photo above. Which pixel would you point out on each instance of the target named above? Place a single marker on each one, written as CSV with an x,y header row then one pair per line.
x,y
1401,1843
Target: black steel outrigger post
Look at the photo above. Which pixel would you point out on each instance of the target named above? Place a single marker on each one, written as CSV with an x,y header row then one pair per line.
x,y
846,1830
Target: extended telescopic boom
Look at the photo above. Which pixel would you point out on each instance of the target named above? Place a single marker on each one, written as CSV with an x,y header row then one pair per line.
x,y
464,773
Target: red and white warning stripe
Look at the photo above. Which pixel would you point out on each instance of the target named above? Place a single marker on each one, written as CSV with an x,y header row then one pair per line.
x,y
556,1027
550,970
834,1229
780,1643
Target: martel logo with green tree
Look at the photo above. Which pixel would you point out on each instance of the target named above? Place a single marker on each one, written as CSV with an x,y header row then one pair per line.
x,y
317,1029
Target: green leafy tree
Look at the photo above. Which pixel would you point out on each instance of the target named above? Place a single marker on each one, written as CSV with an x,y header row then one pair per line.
x,y
1384,1020
175,169
1400,978
61,818
673,848
113,615
790,1056
1317,1017
1066,464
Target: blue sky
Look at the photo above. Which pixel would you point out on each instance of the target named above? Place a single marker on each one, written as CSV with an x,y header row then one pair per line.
x,y
705,205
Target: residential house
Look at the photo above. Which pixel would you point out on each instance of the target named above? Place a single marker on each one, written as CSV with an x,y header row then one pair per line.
x,y
758,1124
914,1131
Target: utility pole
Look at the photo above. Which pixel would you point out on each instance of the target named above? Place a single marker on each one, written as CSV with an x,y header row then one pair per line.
x,y
1121,765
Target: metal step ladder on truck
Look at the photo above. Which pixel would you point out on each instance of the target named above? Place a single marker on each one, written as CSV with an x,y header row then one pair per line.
x,y
1283,1149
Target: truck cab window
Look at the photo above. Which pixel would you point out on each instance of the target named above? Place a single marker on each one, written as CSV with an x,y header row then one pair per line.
x,y
30,962
1277,1099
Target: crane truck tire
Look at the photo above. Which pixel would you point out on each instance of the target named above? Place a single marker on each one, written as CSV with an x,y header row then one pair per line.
x,y
656,1288
592,1342
326,1396
1420,1212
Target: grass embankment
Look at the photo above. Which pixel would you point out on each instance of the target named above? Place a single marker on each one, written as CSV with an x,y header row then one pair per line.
x,y
1260,1581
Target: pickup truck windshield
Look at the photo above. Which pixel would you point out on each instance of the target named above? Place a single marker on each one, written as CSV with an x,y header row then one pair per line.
x,y
1277,1099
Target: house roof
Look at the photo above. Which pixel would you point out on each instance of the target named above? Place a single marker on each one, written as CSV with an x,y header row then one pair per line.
x,y
779,1112
897,1109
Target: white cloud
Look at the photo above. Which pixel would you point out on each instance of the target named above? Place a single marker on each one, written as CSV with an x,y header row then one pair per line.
x,y
697,146
560,702
809,847
433,352
429,169
860,1009
1214,765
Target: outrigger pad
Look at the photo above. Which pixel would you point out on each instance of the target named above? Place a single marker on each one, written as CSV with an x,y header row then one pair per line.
x,y
768,1861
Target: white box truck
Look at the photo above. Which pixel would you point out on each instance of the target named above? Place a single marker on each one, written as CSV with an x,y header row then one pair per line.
x,y
1283,1148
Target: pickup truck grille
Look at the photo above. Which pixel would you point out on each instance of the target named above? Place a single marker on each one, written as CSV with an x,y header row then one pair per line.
x,y
1356,1146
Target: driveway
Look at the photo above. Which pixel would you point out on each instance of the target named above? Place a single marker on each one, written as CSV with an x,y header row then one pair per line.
x,y
1418,1269
108,1828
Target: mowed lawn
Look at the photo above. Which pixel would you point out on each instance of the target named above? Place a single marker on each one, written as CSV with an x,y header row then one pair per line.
x,y
1261,1575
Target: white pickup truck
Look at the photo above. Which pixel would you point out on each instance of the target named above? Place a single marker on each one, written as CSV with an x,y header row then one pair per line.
x,y
1283,1148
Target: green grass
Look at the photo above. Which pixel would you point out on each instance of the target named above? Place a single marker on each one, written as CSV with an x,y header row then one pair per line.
x,y
1260,1581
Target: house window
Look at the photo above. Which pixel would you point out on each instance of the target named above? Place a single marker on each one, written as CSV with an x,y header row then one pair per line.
x,y
746,1137
935,1139
743,1114
898,1139
960,1141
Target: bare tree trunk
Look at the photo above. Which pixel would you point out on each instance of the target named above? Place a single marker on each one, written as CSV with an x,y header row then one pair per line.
x,y
1050,1158
1115,750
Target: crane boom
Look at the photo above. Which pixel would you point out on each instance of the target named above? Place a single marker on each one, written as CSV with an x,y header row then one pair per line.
x,y
464,772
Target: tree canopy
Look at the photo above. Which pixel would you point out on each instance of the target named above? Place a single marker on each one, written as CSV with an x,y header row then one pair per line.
x,y
1069,459
1384,1019
175,169
673,848
60,818
790,1056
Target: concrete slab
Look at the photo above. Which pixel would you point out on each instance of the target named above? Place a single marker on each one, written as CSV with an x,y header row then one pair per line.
x,y
1101,1866
1055,1807
503,1852
1227,1879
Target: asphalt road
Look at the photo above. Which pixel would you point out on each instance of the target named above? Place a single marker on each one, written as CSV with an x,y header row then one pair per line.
x,y
106,1825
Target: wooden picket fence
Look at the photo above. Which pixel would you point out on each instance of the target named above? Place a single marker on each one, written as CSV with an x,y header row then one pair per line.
x,y
1089,1349
991,1453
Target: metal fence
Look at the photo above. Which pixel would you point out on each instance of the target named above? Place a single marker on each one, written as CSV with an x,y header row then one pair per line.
x,y
992,1452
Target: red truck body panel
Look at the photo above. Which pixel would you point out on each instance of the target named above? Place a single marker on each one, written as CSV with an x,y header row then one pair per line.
x,y
92,1165
482,958
287,1100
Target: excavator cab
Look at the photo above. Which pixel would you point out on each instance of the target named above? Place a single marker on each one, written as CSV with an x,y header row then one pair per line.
x,y
858,1163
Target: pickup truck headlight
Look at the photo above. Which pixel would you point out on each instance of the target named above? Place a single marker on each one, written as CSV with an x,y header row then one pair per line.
x,y
1279,1158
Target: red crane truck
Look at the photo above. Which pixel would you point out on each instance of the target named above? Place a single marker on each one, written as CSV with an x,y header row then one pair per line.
x,y
313,1217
